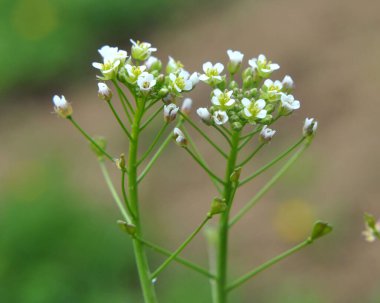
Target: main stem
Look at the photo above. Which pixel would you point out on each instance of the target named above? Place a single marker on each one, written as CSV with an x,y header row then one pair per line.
x,y
222,249
141,259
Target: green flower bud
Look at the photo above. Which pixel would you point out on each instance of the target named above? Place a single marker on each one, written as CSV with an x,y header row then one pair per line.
x,y
248,82
163,92
233,85
270,107
320,229
247,72
235,175
236,126
120,163
267,120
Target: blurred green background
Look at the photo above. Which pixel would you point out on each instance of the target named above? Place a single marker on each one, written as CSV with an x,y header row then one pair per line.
x,y
59,241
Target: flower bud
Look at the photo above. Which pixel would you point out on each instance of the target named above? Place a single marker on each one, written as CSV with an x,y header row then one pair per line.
x,y
205,115
104,92
270,107
179,137
218,206
62,107
233,85
186,106
247,72
267,120
266,134
287,84
236,126
163,92
120,163
169,98
236,58
248,82
194,78
170,112
320,229
153,64
309,127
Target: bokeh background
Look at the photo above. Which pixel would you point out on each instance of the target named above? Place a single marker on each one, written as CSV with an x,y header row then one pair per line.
x,y
59,241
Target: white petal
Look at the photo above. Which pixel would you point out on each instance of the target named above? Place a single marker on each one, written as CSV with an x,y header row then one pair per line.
x,y
97,65
246,102
230,102
188,85
206,66
260,103
247,112
274,66
296,104
204,77
262,114
217,92
219,67
253,63
215,101
172,77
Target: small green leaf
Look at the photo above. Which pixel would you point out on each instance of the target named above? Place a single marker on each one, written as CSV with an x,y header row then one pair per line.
x,y
128,228
320,229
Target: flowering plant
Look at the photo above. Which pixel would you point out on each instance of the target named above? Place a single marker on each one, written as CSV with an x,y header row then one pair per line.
x,y
238,112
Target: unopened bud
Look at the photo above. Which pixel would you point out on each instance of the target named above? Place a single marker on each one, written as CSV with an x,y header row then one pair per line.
x,y
236,126
248,82
247,73
163,92
153,64
309,127
186,106
170,112
287,84
266,134
205,115
104,92
233,85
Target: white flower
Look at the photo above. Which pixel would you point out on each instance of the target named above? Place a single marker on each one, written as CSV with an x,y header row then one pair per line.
x,y
253,110
179,137
236,57
170,112
371,234
222,100
186,106
173,66
112,59
309,127
271,90
104,91
287,84
263,67
112,54
289,104
62,107
146,81
204,114
211,73
152,62
266,134
220,117
141,50
180,82
134,72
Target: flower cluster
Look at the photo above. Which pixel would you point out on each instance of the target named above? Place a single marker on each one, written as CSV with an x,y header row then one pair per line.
x,y
143,74
259,100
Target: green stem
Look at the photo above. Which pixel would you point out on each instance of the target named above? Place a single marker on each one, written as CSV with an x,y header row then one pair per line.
x,y
207,170
222,248
126,202
114,192
157,154
267,265
153,144
124,101
267,186
180,248
150,119
203,135
141,259
70,118
119,120
248,137
178,259
252,155
273,162
199,156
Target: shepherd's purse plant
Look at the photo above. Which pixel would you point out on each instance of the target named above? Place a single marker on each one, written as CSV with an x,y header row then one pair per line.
x,y
244,106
